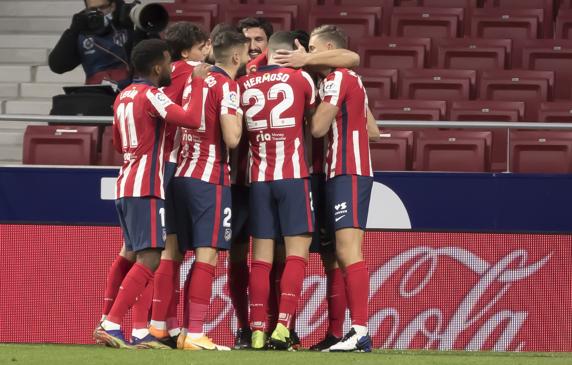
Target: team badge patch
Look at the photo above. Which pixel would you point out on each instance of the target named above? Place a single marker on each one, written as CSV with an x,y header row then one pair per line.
x,y
88,43
227,234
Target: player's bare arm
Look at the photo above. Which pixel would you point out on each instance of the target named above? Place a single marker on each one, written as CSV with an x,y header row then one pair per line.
x,y
372,128
334,58
231,126
322,119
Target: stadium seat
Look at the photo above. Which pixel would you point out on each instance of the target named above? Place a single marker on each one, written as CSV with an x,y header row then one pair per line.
x,y
472,54
282,17
303,9
453,150
555,112
441,83
379,83
429,110
387,6
507,24
490,111
564,24
427,22
541,152
205,15
393,151
533,87
109,156
60,145
357,21
551,55
394,52
438,3
547,5
485,110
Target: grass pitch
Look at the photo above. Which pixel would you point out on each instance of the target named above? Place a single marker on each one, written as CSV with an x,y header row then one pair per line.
x,y
83,355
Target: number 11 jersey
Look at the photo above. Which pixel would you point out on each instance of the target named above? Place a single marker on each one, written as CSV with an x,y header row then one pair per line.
x,y
274,100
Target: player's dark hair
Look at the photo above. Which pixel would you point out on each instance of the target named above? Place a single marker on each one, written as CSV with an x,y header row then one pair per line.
x,y
108,1
222,27
303,37
147,54
250,22
183,35
281,40
333,34
224,42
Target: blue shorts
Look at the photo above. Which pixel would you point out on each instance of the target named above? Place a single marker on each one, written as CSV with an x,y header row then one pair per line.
x,y
170,215
281,207
321,239
240,207
142,221
347,199
204,214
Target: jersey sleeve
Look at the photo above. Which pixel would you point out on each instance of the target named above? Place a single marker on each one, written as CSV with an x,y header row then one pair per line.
x,y
162,106
310,90
229,103
333,91
260,60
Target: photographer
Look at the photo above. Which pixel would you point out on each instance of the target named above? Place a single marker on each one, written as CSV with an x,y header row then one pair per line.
x,y
100,38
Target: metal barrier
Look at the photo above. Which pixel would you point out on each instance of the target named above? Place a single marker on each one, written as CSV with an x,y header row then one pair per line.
x,y
74,120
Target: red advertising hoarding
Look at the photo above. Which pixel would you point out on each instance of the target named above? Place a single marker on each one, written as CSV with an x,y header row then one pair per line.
x,y
466,291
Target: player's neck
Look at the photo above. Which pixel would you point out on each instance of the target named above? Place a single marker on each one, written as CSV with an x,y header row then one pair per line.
x,y
152,79
230,70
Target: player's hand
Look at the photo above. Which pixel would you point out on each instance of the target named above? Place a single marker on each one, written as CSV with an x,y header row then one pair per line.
x,y
296,59
202,71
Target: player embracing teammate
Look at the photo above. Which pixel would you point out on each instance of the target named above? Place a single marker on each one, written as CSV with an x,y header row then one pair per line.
x,y
274,100
343,115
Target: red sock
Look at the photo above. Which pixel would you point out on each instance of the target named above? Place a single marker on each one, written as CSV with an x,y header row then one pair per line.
x,y
357,292
293,321
163,289
186,299
172,320
131,288
290,288
119,268
142,306
337,303
274,296
259,289
200,290
238,288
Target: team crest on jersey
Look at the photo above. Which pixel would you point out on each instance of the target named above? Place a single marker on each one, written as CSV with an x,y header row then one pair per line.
x,y
88,43
120,38
164,234
227,234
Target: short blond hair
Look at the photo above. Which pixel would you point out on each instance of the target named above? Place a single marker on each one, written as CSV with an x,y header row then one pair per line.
x,y
331,33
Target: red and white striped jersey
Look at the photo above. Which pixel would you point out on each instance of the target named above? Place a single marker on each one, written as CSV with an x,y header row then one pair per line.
x,y
140,113
316,153
274,99
239,161
181,71
348,142
203,154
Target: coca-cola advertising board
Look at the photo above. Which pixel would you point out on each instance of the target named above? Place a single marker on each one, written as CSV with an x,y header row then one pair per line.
x,y
466,291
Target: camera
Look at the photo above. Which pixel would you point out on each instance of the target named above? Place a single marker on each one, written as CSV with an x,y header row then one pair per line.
x,y
94,20
152,17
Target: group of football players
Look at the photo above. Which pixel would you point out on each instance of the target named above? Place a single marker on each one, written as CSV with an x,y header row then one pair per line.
x,y
240,136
